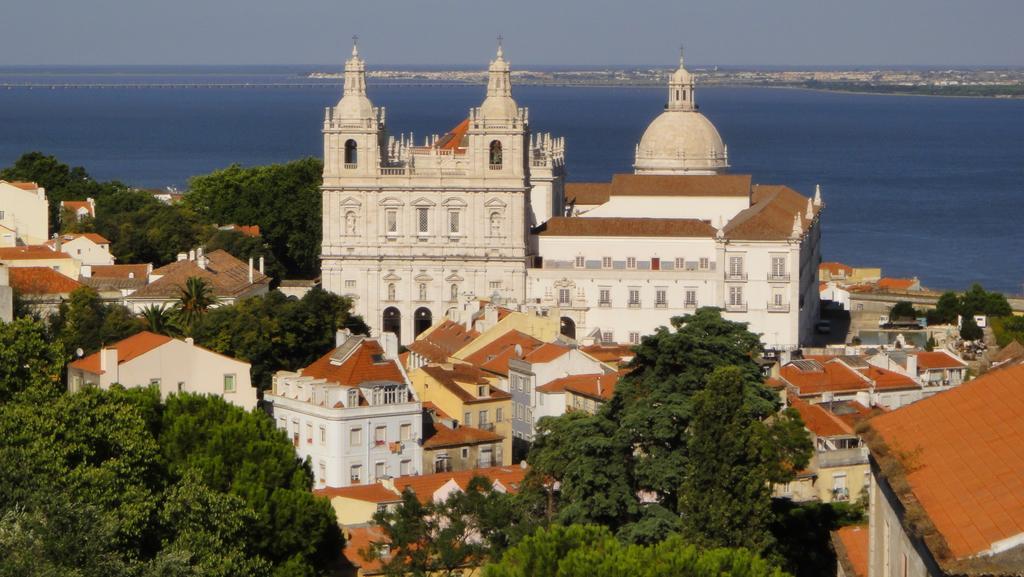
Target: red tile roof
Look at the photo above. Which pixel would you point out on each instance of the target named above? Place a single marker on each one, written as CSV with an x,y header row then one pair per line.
x,y
902,284
30,252
933,360
445,436
363,365
227,276
430,406
75,205
680,185
596,386
770,216
373,493
424,486
121,271
834,268
546,353
610,353
962,452
886,379
360,540
94,237
23,185
40,280
831,377
495,355
623,226
819,420
587,193
443,341
852,549
127,349
455,139
449,377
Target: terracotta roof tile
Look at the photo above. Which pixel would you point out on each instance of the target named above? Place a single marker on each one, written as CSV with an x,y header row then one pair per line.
x,y
445,436
359,540
829,377
30,252
455,139
930,360
902,284
23,185
819,420
75,205
596,386
450,376
124,271
770,216
430,406
610,353
424,486
366,364
227,275
680,185
495,355
834,268
621,226
1012,351
546,353
967,458
587,193
442,341
886,379
852,549
127,349
40,280
372,493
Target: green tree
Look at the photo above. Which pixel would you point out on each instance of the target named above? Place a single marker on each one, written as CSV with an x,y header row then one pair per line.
x,y
83,321
946,309
969,329
903,310
143,229
244,247
726,494
283,199
978,301
160,319
28,358
196,298
589,551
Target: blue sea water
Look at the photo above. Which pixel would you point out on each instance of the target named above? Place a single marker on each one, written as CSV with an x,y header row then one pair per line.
x,y
932,187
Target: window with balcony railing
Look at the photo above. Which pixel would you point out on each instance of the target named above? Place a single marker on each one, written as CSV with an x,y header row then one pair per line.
x,y
634,298
604,298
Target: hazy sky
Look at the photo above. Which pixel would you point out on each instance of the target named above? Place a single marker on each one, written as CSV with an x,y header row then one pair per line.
x,y
727,32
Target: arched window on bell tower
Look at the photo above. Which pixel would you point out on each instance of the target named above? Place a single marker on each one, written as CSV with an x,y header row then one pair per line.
x,y
351,153
495,154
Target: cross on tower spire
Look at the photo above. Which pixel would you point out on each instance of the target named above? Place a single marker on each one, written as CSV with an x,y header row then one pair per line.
x,y
355,45
681,56
500,41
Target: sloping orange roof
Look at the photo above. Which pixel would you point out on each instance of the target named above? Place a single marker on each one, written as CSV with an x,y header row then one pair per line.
x,y
495,355
770,216
587,193
610,353
94,237
424,486
363,365
449,377
372,493
546,353
856,413
442,341
360,539
455,138
122,271
430,406
853,548
75,205
834,268
933,360
818,420
626,226
30,252
680,185
127,349
897,283
962,451
596,386
1010,352
445,436
886,379
227,276
23,185
40,280
832,377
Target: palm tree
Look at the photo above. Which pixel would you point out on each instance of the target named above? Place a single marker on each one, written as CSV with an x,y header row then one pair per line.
x,y
196,297
160,319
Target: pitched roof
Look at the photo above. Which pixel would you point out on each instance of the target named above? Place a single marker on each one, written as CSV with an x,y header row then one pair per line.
x,y
454,139
372,493
962,452
124,271
546,353
424,486
445,436
610,353
819,420
851,545
442,341
430,406
834,268
365,364
127,349
598,386
680,185
886,379
623,226
22,185
30,252
1010,352
94,237
770,216
812,377
449,376
587,193
495,355
75,205
932,360
40,280
360,539
902,284
227,276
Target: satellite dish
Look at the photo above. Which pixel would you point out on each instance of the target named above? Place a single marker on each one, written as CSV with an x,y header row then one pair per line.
x,y
79,352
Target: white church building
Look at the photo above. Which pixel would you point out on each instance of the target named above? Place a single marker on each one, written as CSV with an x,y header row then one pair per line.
x,y
413,231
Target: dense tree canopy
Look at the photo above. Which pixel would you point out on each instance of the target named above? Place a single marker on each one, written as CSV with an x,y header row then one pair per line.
x,y
117,483
641,441
975,301
28,358
84,321
283,199
592,551
276,332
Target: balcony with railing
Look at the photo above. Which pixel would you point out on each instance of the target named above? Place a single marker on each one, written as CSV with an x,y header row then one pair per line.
x,y
735,307
778,307
735,276
779,277
486,426
842,457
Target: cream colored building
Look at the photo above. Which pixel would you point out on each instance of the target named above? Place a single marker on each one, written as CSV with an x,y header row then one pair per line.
x,y
414,232
173,365
40,256
25,211
89,249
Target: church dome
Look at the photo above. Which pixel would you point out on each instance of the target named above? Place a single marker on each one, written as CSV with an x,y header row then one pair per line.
x,y
678,142
681,140
352,106
499,104
499,107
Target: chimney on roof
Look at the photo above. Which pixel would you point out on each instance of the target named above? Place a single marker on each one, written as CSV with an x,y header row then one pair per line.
x,y
340,336
192,254
912,365
56,242
250,270
600,389
389,342
86,271
261,266
201,258
182,256
108,362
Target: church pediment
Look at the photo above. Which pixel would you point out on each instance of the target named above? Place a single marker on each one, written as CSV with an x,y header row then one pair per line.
x,y
495,203
391,277
421,201
351,202
391,201
454,277
454,202
423,277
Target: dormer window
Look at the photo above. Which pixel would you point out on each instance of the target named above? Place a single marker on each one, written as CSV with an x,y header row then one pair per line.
x,y
483,391
353,398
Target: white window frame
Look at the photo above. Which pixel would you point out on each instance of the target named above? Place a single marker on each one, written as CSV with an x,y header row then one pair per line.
x,y
422,220
233,379
606,262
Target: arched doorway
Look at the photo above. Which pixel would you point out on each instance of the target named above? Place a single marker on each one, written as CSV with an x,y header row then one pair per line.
x,y
392,322
422,319
568,327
